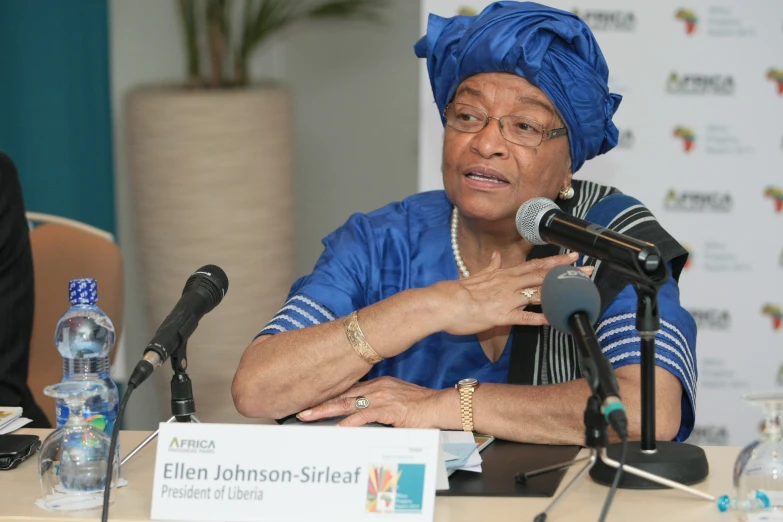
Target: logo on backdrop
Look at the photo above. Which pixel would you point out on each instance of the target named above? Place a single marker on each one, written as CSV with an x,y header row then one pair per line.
x,y
775,313
698,201
626,139
716,139
776,195
776,75
689,261
467,11
686,135
720,21
689,18
700,84
709,435
714,256
711,318
608,20
191,445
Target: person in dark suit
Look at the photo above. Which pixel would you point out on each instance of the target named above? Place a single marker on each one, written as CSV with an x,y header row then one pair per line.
x,y
17,297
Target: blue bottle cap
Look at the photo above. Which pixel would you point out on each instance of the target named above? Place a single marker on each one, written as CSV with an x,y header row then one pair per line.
x,y
83,291
724,503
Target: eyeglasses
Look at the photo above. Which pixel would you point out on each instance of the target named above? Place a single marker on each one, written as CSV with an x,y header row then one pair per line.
x,y
516,129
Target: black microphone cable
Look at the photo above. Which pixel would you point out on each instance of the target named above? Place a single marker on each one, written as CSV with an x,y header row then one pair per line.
x,y
617,476
115,435
210,279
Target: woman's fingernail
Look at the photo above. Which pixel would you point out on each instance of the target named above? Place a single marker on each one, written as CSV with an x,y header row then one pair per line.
x,y
574,255
493,255
304,414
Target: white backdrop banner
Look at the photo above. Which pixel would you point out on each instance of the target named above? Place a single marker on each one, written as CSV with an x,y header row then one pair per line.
x,y
701,144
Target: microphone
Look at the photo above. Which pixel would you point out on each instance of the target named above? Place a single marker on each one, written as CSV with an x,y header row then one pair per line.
x,y
571,304
203,291
541,221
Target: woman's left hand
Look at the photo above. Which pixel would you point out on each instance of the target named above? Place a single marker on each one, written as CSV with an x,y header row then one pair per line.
x,y
390,401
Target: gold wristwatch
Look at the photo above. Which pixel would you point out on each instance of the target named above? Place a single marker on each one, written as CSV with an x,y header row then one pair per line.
x,y
466,387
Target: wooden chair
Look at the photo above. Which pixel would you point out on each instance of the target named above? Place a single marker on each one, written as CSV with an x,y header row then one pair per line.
x,y
63,250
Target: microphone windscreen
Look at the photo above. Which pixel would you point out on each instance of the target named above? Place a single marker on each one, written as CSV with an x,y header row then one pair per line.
x,y
529,218
566,291
213,279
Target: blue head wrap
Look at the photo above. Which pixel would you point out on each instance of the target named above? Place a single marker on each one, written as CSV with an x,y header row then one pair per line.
x,y
552,49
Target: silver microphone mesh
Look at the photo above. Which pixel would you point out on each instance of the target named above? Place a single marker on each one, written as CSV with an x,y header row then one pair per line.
x,y
529,218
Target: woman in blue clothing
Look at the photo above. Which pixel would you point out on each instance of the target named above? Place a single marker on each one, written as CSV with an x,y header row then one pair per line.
x,y
439,291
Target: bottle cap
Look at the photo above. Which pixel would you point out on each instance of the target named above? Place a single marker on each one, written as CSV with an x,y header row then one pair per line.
x,y
83,291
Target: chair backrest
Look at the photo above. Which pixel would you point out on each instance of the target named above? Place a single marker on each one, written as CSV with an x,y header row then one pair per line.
x,y
62,252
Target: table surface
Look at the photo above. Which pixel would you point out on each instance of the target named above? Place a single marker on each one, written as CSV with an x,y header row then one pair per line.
x,y
19,489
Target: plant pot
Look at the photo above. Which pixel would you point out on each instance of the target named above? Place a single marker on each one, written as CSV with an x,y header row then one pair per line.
x,y
210,177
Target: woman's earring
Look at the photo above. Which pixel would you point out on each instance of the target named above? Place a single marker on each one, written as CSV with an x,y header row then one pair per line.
x,y
566,192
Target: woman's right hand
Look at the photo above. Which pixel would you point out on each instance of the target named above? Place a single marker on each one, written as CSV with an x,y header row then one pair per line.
x,y
496,296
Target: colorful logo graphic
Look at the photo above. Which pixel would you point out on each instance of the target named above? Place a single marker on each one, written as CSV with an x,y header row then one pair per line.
x,y
395,488
689,261
689,17
776,75
776,193
775,313
467,11
686,135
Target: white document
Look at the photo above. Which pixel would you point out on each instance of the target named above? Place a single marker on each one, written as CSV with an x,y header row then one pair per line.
x,y
463,437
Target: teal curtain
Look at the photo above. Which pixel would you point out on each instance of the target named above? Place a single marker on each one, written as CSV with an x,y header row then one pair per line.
x,y
55,106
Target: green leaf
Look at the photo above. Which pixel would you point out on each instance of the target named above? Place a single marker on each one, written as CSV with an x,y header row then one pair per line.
x,y
348,9
187,9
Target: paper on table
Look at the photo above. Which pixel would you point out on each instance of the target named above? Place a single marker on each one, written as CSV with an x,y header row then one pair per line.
x,y
463,437
442,477
9,414
462,452
449,457
15,425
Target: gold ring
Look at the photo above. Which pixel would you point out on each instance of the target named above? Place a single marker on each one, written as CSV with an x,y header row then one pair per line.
x,y
529,293
361,403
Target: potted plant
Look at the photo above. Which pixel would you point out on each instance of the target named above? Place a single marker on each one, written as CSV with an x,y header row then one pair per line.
x,y
210,175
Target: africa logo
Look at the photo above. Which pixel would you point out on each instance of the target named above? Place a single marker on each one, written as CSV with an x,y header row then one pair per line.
x,y
776,193
687,136
689,17
776,75
689,260
775,313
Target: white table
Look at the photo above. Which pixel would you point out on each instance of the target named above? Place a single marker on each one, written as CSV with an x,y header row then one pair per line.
x,y
19,488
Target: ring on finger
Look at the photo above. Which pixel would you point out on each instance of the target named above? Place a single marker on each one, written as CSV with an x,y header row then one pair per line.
x,y
361,403
529,293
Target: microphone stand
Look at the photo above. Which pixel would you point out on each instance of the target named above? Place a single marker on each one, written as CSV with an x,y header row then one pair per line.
x,y
183,406
676,461
597,438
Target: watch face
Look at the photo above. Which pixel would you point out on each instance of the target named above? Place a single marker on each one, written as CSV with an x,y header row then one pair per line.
x,y
467,382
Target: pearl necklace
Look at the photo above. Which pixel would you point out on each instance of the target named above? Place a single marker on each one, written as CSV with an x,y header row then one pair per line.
x,y
454,246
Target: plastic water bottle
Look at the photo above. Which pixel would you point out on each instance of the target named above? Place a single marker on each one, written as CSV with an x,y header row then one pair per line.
x,y
85,337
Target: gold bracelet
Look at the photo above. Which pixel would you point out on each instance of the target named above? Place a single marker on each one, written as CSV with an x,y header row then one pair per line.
x,y
356,337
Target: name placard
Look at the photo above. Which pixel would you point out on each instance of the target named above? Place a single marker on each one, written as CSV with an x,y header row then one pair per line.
x,y
214,472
